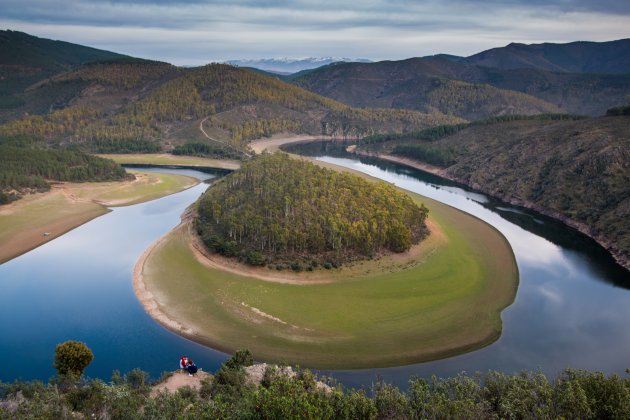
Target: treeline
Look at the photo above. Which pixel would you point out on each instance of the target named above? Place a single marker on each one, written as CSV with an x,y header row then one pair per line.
x,y
207,150
281,210
258,128
620,110
228,394
29,169
427,153
441,131
122,145
123,74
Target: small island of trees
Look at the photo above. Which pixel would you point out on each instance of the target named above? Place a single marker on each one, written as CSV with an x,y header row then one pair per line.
x,y
295,214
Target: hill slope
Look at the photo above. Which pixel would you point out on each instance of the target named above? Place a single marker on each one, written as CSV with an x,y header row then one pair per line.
x,y
138,105
26,59
576,171
421,84
445,85
575,57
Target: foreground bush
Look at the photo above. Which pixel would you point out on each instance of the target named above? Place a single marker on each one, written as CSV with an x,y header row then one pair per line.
x,y
72,357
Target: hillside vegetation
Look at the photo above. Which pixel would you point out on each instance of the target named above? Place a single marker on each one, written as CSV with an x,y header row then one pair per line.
x,y
23,170
27,59
418,85
235,391
467,90
578,171
105,102
284,210
146,107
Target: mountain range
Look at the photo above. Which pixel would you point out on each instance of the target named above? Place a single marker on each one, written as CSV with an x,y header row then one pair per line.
x,y
519,78
288,66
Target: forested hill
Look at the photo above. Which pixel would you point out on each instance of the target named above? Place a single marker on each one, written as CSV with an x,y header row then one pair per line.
x,y
26,59
467,90
24,170
134,105
421,84
575,170
575,57
292,212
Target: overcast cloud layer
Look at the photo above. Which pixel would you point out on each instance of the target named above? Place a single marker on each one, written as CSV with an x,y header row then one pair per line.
x,y
193,32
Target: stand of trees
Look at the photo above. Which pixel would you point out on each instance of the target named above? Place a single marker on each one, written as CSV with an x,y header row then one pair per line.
x,y
426,153
283,210
24,169
206,150
441,131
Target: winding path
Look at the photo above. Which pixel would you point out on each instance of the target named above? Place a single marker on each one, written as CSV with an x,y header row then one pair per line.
x,y
219,141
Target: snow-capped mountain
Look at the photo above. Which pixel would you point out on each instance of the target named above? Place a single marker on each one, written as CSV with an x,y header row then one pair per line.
x,y
292,65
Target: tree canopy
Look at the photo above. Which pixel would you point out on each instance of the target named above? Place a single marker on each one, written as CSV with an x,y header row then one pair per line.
x,y
285,210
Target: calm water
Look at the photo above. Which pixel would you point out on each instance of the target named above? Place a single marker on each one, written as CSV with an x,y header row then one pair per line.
x,y
571,308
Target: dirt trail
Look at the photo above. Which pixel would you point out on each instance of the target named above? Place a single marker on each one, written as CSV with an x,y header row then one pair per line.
x,y
178,380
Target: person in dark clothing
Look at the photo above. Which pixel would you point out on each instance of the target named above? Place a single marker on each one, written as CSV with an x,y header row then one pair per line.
x,y
191,368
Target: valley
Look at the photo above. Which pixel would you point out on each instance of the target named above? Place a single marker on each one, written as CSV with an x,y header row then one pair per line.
x,y
317,242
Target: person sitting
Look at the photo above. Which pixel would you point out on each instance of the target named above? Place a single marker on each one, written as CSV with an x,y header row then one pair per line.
x,y
191,367
183,362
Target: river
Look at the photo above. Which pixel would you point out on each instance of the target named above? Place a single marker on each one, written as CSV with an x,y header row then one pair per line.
x,y
571,309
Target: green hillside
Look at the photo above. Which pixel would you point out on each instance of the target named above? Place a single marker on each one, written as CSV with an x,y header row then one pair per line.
x,y
575,170
142,106
24,170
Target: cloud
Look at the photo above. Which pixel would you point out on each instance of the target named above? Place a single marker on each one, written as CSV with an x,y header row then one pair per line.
x,y
197,31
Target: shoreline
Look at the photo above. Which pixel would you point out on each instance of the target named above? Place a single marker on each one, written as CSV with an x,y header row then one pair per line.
x,y
581,227
146,298
37,219
156,299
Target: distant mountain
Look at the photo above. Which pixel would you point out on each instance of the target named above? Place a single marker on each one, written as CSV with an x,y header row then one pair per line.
x,y
469,91
292,65
426,85
611,57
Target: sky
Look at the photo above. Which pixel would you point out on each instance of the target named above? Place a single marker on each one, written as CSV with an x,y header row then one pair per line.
x,y
196,32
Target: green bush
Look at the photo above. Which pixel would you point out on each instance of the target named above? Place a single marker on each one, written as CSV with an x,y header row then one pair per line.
x,y
255,258
241,358
72,357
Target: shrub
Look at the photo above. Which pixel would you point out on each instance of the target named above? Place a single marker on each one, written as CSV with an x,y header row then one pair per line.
x,y
241,358
255,258
72,357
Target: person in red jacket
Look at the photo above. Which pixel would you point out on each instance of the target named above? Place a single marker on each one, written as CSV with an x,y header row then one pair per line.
x,y
183,362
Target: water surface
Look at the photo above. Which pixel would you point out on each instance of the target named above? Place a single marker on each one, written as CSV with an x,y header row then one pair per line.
x,y
571,308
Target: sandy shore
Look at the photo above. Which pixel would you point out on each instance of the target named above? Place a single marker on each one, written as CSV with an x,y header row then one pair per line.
x,y
273,144
147,299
